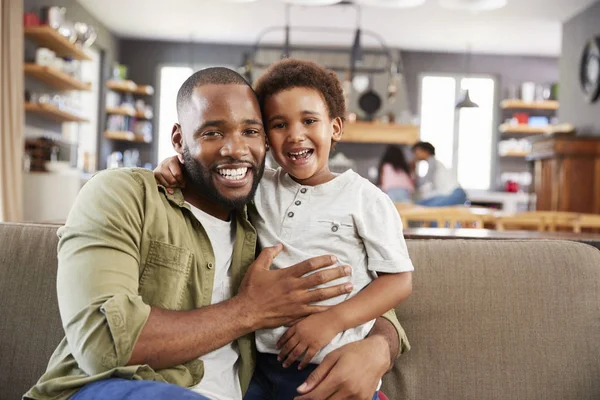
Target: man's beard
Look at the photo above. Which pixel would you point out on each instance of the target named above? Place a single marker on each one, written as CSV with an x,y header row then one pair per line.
x,y
200,180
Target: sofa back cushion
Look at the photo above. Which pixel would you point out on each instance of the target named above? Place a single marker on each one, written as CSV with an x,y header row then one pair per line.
x,y
486,320
501,320
30,327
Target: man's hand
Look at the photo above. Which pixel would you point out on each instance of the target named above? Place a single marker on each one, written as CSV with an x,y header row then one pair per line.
x,y
307,337
350,372
273,298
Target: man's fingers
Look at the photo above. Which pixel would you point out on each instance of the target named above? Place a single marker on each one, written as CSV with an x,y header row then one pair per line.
x,y
318,376
313,296
311,264
294,322
324,276
267,255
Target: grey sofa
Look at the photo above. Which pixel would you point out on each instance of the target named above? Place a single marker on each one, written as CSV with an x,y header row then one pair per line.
x,y
487,320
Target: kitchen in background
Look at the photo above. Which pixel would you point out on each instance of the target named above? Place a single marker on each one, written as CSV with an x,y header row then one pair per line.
x,y
383,84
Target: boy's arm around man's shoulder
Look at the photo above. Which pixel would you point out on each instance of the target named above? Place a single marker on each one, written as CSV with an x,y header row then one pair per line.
x,y
98,271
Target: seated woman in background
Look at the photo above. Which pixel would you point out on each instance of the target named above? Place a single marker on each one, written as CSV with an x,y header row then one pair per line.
x,y
394,175
439,187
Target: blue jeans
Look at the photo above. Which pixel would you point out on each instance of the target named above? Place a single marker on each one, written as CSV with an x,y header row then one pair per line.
x,y
399,195
273,382
123,389
457,197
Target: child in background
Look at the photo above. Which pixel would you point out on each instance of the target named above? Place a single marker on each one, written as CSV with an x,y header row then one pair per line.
x,y
312,212
394,175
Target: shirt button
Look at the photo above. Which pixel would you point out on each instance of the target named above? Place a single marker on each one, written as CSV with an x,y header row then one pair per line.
x,y
298,202
291,214
303,190
209,265
334,228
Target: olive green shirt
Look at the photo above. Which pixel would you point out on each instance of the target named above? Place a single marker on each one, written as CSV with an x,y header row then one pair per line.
x,y
129,245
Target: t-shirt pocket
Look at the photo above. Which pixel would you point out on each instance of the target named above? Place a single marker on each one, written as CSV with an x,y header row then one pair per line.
x,y
165,275
334,230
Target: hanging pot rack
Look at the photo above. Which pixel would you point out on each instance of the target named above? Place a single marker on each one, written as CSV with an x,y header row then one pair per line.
x,y
356,64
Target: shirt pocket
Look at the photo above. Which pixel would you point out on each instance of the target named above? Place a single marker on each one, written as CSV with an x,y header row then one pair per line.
x,y
337,229
166,275
338,236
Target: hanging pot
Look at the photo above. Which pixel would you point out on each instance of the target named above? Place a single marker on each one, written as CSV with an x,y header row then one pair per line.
x,y
370,101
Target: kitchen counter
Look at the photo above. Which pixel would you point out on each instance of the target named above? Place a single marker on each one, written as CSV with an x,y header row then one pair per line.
x,y
506,202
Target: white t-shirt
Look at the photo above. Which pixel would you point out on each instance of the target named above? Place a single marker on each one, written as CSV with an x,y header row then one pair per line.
x,y
439,180
348,217
221,370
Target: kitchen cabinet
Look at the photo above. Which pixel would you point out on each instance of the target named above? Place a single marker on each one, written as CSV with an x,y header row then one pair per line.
x,y
567,174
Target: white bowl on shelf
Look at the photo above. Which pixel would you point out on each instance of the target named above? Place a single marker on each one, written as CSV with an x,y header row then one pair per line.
x,y
58,166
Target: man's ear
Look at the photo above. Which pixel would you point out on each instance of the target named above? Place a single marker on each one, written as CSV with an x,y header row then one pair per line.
x,y
338,129
177,141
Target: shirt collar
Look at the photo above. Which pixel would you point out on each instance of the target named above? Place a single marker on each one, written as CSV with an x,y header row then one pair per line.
x,y
177,199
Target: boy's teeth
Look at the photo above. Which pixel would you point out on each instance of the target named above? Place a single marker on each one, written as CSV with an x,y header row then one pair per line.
x,y
233,174
299,154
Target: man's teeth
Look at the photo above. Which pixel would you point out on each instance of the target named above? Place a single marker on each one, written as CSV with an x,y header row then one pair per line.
x,y
233,174
299,154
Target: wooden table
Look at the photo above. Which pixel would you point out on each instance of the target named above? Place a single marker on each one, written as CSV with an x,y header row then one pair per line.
x,y
593,239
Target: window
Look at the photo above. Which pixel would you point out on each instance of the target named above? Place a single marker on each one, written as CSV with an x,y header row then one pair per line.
x,y
171,79
462,139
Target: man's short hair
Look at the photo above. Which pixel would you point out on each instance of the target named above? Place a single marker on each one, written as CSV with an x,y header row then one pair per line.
x,y
293,73
428,147
208,76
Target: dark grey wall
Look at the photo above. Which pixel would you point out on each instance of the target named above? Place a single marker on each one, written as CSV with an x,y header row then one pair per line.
x,y
144,59
573,107
508,70
106,43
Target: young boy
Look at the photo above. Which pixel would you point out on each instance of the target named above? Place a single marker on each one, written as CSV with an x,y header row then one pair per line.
x,y
312,212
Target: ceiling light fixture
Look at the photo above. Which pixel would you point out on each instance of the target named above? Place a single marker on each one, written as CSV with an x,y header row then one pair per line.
x,y
393,3
473,5
466,101
312,2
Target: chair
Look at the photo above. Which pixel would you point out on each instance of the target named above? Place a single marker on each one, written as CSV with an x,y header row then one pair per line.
x,y
536,220
586,221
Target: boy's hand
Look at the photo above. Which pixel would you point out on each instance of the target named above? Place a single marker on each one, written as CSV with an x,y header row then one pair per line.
x,y
169,174
307,337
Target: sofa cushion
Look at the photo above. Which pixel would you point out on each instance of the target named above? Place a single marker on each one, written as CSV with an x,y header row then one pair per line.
x,y
501,320
30,327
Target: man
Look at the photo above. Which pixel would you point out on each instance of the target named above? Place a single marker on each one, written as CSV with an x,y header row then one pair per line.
x,y
439,187
146,277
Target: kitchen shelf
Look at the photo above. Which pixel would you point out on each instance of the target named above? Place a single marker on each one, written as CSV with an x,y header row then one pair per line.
x,y
54,113
48,37
128,112
55,78
121,111
523,105
515,155
130,87
373,132
524,129
125,136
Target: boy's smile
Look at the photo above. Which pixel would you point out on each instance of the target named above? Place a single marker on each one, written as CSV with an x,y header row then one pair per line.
x,y
300,133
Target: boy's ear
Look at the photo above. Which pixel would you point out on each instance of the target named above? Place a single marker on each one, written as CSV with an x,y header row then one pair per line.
x,y
177,141
338,129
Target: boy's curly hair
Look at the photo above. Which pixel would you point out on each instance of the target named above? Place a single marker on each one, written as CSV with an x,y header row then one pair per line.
x,y
291,73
